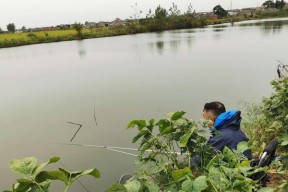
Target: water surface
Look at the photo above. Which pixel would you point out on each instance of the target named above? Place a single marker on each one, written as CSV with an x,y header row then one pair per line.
x,y
129,77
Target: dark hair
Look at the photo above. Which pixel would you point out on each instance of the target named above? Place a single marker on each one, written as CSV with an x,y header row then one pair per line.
x,y
215,107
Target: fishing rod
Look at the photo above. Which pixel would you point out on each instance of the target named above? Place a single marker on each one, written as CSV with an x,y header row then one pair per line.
x,y
114,148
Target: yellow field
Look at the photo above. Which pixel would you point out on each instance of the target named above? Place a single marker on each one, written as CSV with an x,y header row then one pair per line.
x,y
69,32
24,35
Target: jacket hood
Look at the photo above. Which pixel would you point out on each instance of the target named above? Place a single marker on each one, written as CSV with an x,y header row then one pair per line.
x,y
231,119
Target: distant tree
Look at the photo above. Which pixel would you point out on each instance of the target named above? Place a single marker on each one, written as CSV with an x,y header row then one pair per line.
x,y
218,10
280,4
11,27
190,9
149,14
136,13
1,31
23,28
174,11
160,13
78,27
268,4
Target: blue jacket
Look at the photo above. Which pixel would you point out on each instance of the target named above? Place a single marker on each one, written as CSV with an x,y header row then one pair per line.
x,y
229,133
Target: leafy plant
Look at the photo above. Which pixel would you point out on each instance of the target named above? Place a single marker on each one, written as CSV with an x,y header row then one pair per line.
x,y
175,157
268,120
34,179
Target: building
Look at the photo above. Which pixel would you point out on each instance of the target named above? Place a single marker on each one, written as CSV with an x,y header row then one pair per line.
x,y
118,22
90,24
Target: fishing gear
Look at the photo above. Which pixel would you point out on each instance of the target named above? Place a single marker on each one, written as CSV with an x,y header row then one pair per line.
x,y
114,148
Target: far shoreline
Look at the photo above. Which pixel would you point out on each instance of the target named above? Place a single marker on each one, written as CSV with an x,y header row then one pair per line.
x,y
41,37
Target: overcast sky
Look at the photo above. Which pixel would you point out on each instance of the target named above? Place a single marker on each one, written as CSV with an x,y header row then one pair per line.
x,y
39,13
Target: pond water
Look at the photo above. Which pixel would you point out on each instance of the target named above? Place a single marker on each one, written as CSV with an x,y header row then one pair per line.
x,y
118,79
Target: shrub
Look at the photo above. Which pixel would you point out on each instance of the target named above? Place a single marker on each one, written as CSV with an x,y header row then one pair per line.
x,y
35,179
162,168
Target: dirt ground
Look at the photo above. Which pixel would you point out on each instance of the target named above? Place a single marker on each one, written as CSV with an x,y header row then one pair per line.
x,y
275,179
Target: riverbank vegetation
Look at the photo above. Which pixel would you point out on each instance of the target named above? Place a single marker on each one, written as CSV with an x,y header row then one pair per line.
x,y
163,170
174,155
158,20
35,179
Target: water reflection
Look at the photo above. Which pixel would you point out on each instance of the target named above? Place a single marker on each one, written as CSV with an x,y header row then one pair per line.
x,y
173,45
274,27
266,27
219,26
81,48
218,30
160,47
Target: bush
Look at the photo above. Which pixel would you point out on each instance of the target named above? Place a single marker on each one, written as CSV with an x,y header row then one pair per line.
x,y
35,179
162,168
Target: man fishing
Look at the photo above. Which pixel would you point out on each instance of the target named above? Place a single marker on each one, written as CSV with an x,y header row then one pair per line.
x,y
225,127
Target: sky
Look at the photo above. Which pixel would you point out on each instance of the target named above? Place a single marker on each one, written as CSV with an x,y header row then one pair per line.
x,y
41,13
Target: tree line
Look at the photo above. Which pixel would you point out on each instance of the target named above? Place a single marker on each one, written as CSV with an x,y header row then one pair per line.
x,y
160,14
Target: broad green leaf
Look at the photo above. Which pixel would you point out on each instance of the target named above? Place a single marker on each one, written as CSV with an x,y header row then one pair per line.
x,y
93,172
24,180
45,186
187,186
243,163
242,146
185,138
22,187
152,187
239,183
204,132
145,147
177,115
283,140
181,121
140,123
244,166
245,169
67,173
229,156
133,185
180,173
167,130
151,121
218,179
139,135
214,161
200,184
42,165
24,166
266,189
116,187
228,171
52,175
149,167
163,124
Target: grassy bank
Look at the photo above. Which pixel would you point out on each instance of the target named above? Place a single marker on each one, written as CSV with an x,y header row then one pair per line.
x,y
152,24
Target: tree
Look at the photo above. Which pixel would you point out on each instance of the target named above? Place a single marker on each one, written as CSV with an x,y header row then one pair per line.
x,y
160,13
1,31
271,4
218,10
174,11
11,27
23,28
268,4
78,27
280,4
